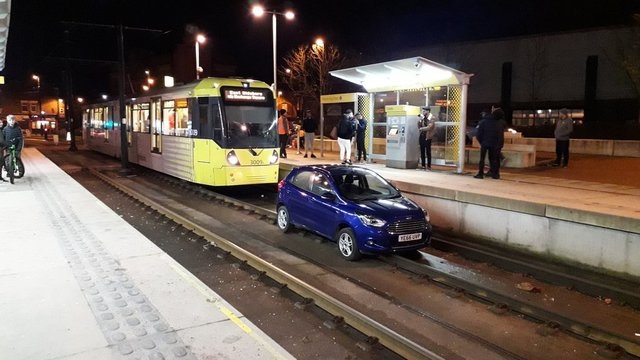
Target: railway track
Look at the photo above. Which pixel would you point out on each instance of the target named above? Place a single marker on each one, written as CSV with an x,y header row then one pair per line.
x,y
608,344
605,343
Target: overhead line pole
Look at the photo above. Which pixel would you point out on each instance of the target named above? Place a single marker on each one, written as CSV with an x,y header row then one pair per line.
x,y
124,143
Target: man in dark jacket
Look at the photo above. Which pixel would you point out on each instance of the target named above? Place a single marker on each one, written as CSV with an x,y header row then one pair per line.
x,y
361,132
491,138
346,131
309,126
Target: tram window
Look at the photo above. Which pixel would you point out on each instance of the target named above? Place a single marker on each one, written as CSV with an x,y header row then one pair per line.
x,y
140,117
182,122
217,122
203,126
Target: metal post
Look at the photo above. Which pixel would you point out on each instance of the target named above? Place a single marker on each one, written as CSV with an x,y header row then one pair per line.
x,y
197,59
124,154
463,126
275,74
69,92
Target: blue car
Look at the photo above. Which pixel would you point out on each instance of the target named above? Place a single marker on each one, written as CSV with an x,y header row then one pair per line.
x,y
353,206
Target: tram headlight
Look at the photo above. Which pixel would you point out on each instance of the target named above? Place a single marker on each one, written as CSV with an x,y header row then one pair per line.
x,y
232,158
274,157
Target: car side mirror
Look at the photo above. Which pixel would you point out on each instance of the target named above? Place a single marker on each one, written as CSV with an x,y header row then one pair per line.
x,y
328,195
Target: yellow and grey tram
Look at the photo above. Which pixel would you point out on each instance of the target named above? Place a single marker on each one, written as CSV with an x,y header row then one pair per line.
x,y
215,131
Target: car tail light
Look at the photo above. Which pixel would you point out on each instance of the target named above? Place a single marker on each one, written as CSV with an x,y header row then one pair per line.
x,y
280,184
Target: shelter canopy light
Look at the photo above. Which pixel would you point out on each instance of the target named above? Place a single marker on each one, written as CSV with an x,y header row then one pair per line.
x,y
411,73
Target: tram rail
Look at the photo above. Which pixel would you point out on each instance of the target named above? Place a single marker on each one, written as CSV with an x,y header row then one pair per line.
x,y
376,331
610,344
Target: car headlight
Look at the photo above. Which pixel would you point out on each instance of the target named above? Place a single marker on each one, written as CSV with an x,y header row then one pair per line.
x,y
371,220
426,216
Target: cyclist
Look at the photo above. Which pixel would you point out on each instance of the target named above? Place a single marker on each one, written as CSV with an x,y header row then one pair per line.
x,y
13,135
1,147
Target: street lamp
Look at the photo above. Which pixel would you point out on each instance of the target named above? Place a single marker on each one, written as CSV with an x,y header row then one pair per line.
x,y
319,52
258,11
200,39
37,79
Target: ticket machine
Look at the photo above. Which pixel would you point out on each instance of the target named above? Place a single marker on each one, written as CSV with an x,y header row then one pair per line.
x,y
403,150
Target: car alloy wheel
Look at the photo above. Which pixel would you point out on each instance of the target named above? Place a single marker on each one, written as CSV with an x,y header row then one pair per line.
x,y
283,219
347,245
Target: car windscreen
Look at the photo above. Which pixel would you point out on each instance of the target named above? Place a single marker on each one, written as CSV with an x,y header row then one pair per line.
x,y
363,185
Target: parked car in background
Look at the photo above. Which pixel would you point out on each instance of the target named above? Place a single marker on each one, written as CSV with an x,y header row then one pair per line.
x,y
354,206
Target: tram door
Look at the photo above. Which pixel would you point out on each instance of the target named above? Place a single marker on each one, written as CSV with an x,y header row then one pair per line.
x,y
156,125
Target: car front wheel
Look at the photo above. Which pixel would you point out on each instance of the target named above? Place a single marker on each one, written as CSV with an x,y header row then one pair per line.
x,y
283,219
347,245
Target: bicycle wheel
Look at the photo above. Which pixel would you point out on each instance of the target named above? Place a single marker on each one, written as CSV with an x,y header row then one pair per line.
x,y
10,169
19,171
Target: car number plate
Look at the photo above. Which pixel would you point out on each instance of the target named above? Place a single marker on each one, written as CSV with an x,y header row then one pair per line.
x,y
410,237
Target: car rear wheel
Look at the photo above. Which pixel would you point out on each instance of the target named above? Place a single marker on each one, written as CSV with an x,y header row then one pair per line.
x,y
347,245
283,219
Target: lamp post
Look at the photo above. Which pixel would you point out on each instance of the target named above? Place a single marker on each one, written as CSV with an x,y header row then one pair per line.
x,y
37,79
200,39
319,54
258,11
40,114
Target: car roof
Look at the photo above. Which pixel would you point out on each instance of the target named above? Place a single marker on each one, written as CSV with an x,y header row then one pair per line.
x,y
333,169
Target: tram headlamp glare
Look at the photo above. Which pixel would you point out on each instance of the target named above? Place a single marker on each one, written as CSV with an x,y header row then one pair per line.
x,y
232,158
273,158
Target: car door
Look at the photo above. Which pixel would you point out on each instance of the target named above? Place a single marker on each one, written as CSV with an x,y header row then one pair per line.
x,y
323,202
298,195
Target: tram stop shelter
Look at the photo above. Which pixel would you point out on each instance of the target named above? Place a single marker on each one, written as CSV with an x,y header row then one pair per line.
x,y
396,90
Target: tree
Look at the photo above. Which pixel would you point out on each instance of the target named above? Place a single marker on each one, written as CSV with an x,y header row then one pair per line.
x,y
630,57
306,72
536,74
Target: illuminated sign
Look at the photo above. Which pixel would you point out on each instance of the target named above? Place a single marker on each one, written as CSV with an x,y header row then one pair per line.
x,y
246,95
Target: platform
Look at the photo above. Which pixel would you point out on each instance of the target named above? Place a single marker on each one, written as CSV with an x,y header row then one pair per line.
x,y
584,215
78,282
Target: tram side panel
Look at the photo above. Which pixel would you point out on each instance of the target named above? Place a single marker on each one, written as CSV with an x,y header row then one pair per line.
x,y
213,166
177,157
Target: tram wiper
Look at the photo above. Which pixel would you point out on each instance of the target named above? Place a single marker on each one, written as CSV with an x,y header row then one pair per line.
x,y
253,152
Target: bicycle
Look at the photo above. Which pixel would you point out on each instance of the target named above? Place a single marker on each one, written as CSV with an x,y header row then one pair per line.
x,y
13,164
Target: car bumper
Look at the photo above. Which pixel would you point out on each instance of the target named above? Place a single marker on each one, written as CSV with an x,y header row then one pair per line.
x,y
376,241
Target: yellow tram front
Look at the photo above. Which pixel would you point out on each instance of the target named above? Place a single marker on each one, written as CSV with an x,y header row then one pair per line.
x,y
236,140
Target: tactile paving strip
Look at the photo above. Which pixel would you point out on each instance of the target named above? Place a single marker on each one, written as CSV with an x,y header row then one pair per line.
x,y
132,326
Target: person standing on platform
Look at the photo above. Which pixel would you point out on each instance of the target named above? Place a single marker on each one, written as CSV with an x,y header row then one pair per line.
x,y
309,126
498,114
283,132
488,135
427,127
1,146
346,130
361,131
563,130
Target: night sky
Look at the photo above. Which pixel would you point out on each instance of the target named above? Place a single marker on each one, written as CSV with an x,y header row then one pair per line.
x,y
37,30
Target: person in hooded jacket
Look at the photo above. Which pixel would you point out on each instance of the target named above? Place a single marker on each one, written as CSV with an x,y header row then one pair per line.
x,y
346,129
562,132
491,138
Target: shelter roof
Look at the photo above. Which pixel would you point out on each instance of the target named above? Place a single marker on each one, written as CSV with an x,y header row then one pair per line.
x,y
5,11
411,73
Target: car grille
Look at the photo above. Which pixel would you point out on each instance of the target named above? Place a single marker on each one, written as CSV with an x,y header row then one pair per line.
x,y
407,226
